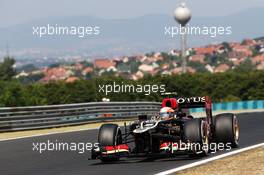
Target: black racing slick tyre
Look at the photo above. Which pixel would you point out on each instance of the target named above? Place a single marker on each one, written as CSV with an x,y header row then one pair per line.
x,y
197,135
109,135
227,129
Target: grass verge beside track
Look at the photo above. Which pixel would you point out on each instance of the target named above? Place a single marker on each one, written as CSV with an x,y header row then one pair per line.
x,y
249,162
39,132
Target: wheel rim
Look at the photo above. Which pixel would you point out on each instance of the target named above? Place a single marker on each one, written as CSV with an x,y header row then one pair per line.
x,y
236,130
205,140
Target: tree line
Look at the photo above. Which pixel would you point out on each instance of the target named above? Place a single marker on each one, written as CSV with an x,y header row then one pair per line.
x,y
230,86
233,85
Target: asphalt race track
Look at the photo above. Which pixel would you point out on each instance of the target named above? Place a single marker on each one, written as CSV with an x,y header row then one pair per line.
x,y
17,157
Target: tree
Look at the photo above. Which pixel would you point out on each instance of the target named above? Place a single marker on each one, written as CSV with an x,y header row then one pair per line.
x,y
33,78
7,70
227,46
13,94
27,68
54,65
197,66
245,66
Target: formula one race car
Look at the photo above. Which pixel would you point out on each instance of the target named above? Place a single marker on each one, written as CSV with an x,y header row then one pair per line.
x,y
169,133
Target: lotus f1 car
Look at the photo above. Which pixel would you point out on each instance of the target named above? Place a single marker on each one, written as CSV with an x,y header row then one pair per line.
x,y
167,132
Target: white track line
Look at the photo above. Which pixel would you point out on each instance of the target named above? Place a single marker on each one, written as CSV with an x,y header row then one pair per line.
x,y
209,159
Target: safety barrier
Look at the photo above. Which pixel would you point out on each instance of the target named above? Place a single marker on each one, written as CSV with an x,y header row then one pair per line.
x,y
23,118
232,106
37,117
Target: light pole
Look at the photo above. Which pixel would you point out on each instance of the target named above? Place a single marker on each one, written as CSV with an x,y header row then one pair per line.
x,y
183,15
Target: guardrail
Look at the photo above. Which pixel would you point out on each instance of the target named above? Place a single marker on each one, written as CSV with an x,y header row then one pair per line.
x,y
37,117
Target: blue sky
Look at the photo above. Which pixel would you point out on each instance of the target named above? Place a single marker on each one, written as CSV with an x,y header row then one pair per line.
x,y
19,11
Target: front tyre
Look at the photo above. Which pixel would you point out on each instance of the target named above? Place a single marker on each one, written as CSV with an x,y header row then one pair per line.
x,y
227,129
109,135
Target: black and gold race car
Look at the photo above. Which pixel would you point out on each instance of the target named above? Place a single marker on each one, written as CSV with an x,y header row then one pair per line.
x,y
171,132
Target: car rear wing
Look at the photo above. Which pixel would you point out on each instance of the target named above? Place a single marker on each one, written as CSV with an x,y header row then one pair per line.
x,y
192,102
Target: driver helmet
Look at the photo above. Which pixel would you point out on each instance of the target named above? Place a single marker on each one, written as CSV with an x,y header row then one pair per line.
x,y
166,113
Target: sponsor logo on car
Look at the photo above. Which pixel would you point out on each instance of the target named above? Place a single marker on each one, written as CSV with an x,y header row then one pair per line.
x,y
191,100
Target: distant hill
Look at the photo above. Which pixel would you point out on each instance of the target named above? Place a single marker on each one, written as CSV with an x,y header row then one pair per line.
x,y
259,38
129,36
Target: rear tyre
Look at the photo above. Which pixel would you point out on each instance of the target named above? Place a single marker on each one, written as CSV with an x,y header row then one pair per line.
x,y
227,129
197,134
109,135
